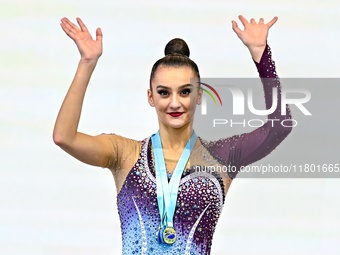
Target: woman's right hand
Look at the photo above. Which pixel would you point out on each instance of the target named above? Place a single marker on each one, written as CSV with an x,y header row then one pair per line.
x,y
90,50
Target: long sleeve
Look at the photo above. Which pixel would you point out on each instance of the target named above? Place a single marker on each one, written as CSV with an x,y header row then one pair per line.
x,y
247,148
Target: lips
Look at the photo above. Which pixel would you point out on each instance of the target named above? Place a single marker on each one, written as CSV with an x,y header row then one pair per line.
x,y
175,114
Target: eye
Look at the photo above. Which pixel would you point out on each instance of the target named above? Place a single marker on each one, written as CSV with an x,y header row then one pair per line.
x,y
186,91
163,92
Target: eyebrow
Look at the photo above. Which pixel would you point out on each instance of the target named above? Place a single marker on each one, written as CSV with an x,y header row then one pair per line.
x,y
165,87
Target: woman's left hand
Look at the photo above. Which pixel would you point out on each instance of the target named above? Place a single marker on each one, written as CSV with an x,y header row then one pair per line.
x,y
254,35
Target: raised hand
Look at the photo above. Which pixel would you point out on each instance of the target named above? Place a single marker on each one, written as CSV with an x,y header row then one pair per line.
x,y
254,35
90,50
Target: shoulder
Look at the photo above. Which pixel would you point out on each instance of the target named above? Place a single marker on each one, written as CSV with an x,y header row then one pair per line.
x,y
119,140
122,148
222,142
225,150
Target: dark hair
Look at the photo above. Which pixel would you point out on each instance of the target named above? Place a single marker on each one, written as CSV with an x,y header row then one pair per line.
x,y
176,55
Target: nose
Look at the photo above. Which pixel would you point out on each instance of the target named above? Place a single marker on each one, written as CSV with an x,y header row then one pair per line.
x,y
175,101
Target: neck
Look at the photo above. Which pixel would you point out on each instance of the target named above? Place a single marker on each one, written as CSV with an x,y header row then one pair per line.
x,y
175,139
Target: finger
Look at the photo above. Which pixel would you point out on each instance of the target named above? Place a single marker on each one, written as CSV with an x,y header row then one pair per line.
x,y
72,26
272,22
261,21
67,24
243,20
67,30
82,25
236,28
99,35
252,21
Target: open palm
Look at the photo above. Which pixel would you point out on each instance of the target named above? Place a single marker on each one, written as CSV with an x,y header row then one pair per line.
x,y
254,34
89,49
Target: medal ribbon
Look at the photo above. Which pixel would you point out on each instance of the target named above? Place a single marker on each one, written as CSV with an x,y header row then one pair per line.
x,y
167,192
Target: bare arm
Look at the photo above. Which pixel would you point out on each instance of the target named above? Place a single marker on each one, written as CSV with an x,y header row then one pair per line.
x,y
93,150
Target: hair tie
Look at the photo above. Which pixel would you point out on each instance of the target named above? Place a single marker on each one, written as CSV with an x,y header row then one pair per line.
x,y
178,54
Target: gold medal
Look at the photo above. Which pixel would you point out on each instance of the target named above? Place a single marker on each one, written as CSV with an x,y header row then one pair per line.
x,y
169,235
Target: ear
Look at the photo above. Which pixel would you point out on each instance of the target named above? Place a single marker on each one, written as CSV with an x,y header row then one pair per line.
x,y
150,99
200,94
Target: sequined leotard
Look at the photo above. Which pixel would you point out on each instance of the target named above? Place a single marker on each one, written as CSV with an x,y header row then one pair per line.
x,y
201,194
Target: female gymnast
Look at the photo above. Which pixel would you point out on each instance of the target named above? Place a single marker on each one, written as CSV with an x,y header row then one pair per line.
x,y
166,206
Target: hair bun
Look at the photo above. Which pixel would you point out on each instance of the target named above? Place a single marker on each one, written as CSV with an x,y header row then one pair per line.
x,y
177,45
